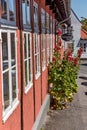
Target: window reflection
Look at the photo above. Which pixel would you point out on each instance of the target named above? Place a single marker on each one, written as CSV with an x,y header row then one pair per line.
x,y
28,45
8,10
26,11
26,81
11,10
6,89
4,51
30,70
25,46
14,94
4,9
12,49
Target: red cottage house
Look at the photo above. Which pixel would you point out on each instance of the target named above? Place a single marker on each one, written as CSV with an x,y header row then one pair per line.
x,y
27,38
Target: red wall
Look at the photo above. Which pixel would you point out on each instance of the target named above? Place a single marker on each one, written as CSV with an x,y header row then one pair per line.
x,y
33,99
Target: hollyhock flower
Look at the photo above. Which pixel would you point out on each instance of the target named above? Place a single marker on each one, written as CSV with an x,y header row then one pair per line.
x,y
60,43
79,52
59,32
68,54
70,59
54,59
57,48
75,61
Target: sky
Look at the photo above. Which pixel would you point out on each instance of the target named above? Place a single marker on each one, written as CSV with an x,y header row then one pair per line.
x,y
80,8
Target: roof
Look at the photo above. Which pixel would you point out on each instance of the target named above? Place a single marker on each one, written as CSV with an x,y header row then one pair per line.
x,y
83,34
61,9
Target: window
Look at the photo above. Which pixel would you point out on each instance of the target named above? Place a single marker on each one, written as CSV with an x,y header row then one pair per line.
x,y
51,40
48,49
8,10
26,12
37,54
83,45
42,18
43,39
35,15
43,52
53,33
9,71
27,61
47,21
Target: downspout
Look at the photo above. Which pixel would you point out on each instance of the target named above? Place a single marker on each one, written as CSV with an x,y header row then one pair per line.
x,y
33,60
20,27
40,32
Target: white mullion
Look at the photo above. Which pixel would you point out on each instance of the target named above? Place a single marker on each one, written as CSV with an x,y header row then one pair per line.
x,y
38,55
27,58
9,59
30,57
2,74
16,66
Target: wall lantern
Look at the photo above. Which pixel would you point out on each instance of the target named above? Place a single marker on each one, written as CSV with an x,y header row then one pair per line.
x,y
67,34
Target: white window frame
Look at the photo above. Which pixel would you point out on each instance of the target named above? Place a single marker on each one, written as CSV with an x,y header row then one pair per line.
x,y
37,54
30,83
13,104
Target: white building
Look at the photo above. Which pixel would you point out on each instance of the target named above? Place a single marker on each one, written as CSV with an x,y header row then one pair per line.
x,y
76,27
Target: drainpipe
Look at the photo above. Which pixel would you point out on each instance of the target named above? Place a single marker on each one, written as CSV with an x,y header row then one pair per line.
x,y
40,32
33,60
20,27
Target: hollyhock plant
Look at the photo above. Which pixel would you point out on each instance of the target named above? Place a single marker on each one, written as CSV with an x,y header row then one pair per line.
x,y
62,77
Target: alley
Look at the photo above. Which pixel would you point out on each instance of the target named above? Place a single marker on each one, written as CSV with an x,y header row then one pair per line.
x,y
75,116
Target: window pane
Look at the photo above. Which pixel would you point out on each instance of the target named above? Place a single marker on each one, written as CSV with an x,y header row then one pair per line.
x,y
28,12
12,10
25,47
12,49
13,73
26,81
35,40
4,51
35,16
36,64
6,89
4,9
28,45
29,70
24,11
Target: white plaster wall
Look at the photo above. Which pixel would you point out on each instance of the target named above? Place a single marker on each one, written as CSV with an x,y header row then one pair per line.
x,y
75,23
